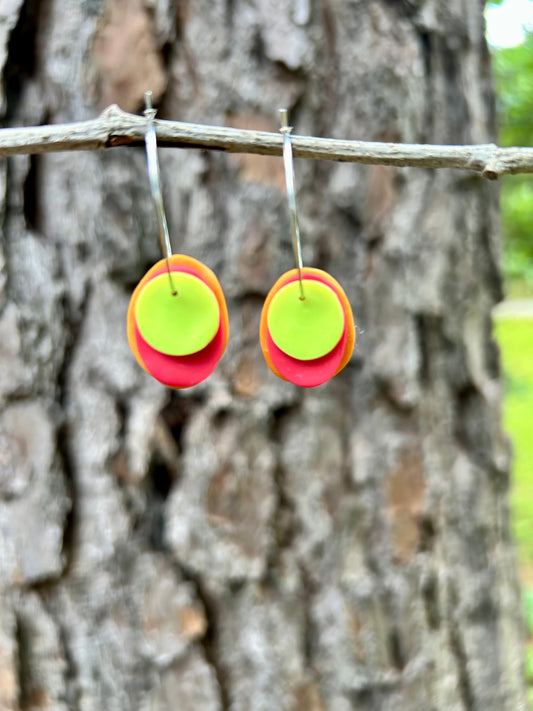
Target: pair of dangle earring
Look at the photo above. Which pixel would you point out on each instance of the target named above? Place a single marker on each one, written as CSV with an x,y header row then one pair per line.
x,y
178,325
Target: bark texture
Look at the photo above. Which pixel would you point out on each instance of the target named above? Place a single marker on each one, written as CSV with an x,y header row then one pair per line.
x,y
247,545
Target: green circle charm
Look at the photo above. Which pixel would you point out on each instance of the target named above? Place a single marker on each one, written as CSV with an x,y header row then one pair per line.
x,y
309,328
177,325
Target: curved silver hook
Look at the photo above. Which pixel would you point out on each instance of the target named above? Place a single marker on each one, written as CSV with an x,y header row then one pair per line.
x,y
289,180
152,163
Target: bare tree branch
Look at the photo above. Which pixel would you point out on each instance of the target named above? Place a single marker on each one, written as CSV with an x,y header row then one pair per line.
x,y
115,127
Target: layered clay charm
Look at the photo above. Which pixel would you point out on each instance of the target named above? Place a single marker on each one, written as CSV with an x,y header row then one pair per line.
x,y
178,338
307,341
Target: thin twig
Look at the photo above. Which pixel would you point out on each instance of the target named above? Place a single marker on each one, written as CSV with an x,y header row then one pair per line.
x,y
115,127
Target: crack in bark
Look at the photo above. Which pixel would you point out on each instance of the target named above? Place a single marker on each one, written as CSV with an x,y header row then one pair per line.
x,y
164,468
158,484
31,191
430,592
405,8
229,14
31,694
62,434
21,53
63,449
283,526
458,651
308,631
426,47
72,691
331,70
421,325
210,640
23,665
282,521
397,654
471,426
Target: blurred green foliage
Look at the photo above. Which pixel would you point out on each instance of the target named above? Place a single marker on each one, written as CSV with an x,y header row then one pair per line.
x,y
513,74
515,337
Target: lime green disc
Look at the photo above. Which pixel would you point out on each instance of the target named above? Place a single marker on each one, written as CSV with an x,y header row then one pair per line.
x,y
309,328
177,325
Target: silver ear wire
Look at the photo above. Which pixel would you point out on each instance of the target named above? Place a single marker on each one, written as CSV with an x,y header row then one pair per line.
x,y
154,177
289,180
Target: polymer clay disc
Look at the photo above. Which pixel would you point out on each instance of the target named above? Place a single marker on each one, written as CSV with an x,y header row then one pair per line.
x,y
131,323
181,371
308,273
195,367
307,373
307,328
177,324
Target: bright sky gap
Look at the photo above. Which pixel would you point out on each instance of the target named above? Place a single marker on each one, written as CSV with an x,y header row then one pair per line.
x,y
508,23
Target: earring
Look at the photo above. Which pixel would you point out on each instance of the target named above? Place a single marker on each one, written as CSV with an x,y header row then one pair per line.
x,y
177,322
307,330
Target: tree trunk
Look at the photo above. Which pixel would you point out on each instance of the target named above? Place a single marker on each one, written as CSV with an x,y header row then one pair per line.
x,y
246,544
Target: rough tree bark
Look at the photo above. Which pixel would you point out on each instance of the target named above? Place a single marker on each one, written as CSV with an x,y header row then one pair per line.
x,y
247,545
